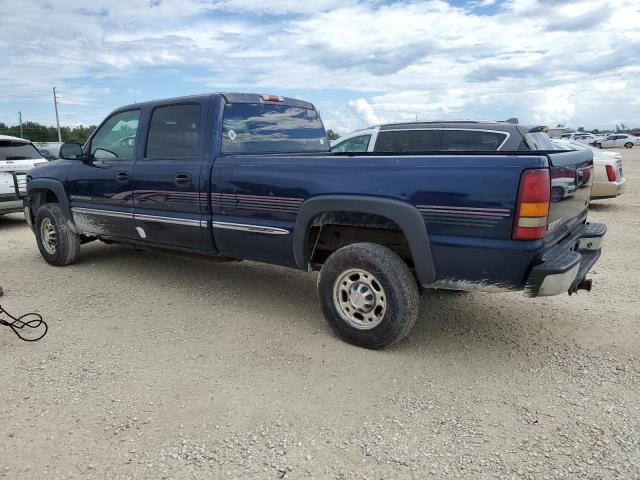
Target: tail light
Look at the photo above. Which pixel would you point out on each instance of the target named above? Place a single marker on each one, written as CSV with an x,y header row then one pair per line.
x,y
611,173
532,209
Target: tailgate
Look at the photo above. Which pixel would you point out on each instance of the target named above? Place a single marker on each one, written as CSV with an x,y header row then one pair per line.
x,y
571,180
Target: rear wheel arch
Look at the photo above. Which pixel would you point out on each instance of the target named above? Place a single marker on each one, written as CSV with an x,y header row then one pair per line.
x,y
405,216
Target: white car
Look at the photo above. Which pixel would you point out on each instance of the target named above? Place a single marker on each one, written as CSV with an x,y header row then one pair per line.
x,y
580,137
17,157
617,140
608,180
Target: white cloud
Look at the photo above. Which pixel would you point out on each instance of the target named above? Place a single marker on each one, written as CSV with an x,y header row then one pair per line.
x,y
365,111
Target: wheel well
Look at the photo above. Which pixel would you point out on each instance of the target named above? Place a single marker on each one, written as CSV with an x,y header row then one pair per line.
x,y
40,197
331,231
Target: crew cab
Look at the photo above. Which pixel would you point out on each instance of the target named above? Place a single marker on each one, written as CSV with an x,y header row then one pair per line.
x,y
17,157
246,176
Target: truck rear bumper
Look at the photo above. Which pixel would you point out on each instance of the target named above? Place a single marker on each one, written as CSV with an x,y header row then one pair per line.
x,y
565,266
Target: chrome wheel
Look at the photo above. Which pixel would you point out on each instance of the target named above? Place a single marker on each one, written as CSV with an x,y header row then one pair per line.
x,y
49,236
360,299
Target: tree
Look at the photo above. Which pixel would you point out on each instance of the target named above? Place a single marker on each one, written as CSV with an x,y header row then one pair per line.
x,y
581,129
595,130
332,135
560,125
40,133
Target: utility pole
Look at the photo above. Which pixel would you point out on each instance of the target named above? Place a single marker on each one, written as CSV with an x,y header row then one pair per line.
x,y
20,117
55,104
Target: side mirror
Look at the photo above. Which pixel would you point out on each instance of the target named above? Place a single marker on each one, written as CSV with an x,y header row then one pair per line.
x,y
71,151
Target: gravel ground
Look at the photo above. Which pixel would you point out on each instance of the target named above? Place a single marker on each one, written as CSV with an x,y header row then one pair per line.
x,y
163,367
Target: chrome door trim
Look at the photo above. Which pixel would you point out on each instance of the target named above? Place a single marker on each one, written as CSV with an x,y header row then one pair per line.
x,y
105,213
171,220
243,227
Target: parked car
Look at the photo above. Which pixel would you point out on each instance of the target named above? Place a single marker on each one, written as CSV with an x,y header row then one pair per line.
x,y
418,137
246,176
17,157
581,137
608,178
617,140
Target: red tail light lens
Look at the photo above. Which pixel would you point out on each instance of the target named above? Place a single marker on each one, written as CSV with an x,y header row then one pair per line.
x,y
611,173
532,209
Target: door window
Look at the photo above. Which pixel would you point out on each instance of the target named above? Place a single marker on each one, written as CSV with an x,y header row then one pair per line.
x,y
174,132
409,141
355,144
472,140
116,138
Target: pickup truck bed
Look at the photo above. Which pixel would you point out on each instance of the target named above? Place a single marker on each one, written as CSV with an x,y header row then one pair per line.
x,y
376,225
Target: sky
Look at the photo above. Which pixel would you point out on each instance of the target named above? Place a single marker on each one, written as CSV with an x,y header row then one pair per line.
x,y
360,62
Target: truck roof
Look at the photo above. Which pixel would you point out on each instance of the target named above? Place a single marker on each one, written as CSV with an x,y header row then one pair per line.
x,y
229,97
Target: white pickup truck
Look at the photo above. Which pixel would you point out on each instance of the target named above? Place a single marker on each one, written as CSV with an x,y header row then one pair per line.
x,y
17,157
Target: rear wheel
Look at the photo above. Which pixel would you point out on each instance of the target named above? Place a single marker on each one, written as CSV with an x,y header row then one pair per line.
x,y
628,145
368,295
599,145
58,245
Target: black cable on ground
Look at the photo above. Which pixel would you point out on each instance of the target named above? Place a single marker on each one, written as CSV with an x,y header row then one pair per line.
x,y
29,320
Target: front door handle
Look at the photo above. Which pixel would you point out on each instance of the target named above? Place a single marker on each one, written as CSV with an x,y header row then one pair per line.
x,y
122,177
183,179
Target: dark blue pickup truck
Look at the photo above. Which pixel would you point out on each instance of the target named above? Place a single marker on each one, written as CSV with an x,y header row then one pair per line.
x,y
241,176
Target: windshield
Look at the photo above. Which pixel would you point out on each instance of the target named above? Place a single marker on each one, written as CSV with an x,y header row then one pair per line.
x,y
268,128
12,150
539,141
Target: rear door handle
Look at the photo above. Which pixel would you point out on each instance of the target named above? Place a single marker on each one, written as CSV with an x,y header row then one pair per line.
x,y
122,177
183,179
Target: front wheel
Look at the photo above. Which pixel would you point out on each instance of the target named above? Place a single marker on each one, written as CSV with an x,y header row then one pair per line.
x,y
58,245
368,295
628,145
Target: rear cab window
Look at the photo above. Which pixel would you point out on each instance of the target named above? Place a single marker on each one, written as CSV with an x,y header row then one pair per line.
x,y
250,128
174,132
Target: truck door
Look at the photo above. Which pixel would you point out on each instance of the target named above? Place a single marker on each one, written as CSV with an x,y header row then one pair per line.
x,y
170,193
100,190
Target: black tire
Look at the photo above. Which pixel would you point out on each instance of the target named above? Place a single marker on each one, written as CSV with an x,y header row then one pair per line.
x,y
599,145
557,194
67,243
628,145
401,305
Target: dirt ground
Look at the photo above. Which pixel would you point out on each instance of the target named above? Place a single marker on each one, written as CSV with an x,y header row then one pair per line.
x,y
163,367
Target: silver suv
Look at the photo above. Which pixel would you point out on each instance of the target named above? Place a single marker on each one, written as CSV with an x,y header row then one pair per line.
x,y
464,136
